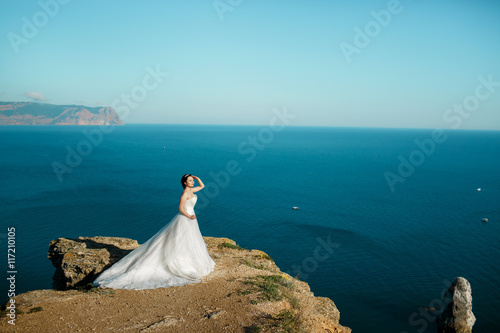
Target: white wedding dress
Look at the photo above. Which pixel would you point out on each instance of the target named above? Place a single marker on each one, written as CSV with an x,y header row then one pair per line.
x,y
176,255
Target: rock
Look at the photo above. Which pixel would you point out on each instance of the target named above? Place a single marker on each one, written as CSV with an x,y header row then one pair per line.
x,y
162,324
79,261
215,314
12,113
457,316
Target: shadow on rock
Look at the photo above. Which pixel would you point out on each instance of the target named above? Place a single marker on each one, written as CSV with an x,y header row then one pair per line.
x,y
79,261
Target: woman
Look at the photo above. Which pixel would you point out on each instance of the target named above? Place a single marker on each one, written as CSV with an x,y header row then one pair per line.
x,y
176,255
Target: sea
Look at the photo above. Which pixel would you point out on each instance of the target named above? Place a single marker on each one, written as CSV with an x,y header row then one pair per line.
x,y
386,218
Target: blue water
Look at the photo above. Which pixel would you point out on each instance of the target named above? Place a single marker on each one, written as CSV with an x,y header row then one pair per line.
x,y
387,252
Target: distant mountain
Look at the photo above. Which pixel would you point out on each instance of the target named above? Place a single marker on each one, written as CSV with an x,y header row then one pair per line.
x,y
20,113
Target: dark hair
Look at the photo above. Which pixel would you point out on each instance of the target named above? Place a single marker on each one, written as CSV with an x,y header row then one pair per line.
x,y
184,179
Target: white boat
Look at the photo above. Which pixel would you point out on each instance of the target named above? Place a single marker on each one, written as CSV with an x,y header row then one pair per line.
x,y
484,220
295,208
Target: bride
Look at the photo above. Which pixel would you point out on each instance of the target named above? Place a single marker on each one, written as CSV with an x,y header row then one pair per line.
x,y
176,255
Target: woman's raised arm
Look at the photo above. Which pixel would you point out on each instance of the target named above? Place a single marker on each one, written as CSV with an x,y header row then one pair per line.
x,y
197,188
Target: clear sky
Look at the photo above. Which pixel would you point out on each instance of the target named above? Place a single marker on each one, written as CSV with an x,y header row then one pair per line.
x,y
331,63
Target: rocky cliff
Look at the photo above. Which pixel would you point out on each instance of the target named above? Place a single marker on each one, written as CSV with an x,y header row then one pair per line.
x,y
49,114
457,316
246,292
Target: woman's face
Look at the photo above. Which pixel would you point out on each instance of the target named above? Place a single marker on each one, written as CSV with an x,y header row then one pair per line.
x,y
190,181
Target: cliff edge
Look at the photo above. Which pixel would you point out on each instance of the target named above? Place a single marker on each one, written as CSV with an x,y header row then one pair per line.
x,y
246,292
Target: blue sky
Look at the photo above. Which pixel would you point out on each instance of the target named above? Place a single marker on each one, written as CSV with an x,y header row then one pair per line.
x,y
234,61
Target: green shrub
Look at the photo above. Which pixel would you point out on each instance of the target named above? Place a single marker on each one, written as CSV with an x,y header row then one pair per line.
x,y
253,329
250,263
35,309
230,246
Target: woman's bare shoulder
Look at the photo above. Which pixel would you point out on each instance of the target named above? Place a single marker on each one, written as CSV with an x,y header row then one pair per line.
x,y
186,194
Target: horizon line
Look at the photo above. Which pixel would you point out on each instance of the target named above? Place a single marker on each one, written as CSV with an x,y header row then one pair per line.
x,y
316,126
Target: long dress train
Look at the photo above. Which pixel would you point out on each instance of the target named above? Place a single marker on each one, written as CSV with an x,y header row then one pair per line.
x,y
176,255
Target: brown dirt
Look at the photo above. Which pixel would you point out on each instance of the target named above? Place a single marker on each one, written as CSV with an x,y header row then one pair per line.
x,y
222,302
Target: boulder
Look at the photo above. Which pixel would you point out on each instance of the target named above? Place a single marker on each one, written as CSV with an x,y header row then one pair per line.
x,y
79,261
457,316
